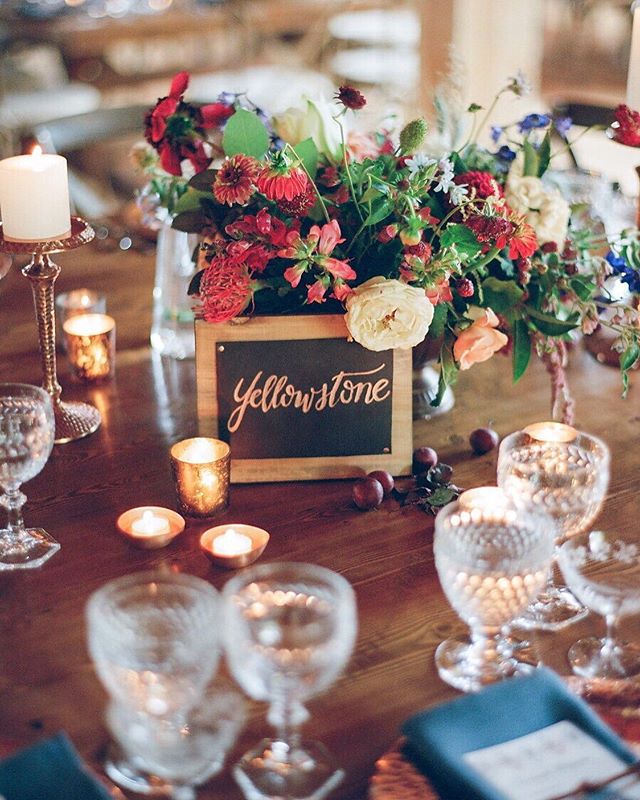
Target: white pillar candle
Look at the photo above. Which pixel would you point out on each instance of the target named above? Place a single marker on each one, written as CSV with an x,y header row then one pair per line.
x,y
34,197
633,76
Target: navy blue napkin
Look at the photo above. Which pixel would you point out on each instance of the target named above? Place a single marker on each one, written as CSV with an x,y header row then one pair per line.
x,y
438,738
49,770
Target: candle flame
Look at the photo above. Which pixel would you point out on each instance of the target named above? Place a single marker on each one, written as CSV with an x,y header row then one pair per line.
x,y
37,151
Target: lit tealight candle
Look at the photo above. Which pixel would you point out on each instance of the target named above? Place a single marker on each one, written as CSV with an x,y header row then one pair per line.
x,y
150,527
149,524
34,197
233,545
551,432
201,470
484,497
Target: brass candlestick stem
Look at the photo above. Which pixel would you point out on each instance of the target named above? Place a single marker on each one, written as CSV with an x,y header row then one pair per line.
x,y
73,419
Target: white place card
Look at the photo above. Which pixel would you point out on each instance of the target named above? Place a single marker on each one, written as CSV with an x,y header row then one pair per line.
x,y
550,762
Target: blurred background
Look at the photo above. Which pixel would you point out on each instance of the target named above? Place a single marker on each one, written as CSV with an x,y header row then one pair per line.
x,y
94,64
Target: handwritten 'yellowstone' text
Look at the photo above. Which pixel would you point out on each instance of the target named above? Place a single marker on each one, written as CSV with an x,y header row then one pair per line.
x,y
270,392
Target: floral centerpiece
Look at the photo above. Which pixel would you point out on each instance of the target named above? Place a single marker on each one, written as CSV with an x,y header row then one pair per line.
x,y
470,246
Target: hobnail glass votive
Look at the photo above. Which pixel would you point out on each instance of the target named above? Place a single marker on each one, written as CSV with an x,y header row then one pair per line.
x,y
492,559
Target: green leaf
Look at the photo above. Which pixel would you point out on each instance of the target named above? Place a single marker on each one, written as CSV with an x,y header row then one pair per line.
x,y
473,108
521,349
203,180
500,295
462,237
190,201
544,154
371,194
583,287
442,496
379,212
448,370
307,152
190,221
436,329
630,356
531,160
244,133
551,326
194,283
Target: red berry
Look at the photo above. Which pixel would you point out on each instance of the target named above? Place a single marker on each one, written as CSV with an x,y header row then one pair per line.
x,y
483,439
465,287
384,478
424,458
367,493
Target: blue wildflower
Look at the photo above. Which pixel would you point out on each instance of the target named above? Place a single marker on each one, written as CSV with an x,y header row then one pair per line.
x,y
496,133
617,263
505,153
532,121
562,125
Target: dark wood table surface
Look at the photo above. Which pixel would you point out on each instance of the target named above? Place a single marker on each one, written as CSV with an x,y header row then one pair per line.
x,y
47,681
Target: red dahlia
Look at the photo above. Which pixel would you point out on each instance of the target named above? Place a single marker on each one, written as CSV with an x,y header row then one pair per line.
x,y
492,230
298,205
234,180
277,182
351,98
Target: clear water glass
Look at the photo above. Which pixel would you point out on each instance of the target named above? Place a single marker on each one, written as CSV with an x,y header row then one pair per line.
x,y
27,431
603,571
289,631
154,639
492,559
567,477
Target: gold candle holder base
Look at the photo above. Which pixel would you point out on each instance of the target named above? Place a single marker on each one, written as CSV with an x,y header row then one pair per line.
x,y
73,419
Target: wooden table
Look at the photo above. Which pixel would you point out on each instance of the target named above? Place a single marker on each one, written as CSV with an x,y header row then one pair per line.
x,y
47,681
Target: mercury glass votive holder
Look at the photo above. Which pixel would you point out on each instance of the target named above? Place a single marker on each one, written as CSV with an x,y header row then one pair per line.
x,y
201,470
72,304
91,346
492,559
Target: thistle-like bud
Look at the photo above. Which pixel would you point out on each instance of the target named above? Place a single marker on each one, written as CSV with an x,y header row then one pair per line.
x,y
412,135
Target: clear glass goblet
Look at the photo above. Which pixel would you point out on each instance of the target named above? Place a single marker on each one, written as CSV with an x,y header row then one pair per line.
x,y
26,439
289,631
492,559
565,473
154,640
603,571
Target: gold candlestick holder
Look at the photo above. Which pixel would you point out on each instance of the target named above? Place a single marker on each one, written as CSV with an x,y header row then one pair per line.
x,y
73,419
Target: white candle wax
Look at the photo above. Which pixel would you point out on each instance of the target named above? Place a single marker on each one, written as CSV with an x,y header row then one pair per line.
x,y
149,524
551,432
231,543
34,197
89,324
200,451
633,76
484,498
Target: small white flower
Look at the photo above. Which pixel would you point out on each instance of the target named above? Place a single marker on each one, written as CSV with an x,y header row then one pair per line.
x,y
519,84
446,178
457,193
419,162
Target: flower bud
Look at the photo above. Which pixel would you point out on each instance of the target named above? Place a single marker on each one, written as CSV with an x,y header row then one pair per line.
x,y
412,135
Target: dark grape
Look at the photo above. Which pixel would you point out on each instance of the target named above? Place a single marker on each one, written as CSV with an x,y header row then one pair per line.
x,y
367,493
424,458
385,478
482,440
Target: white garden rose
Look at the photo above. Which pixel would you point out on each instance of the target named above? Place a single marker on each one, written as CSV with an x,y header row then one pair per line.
x,y
384,314
544,208
315,122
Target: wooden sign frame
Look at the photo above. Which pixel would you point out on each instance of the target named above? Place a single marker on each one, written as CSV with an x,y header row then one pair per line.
x,y
210,341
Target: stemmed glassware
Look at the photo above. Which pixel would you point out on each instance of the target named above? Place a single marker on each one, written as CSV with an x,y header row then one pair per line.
x,y
565,472
289,630
154,639
26,438
603,571
492,559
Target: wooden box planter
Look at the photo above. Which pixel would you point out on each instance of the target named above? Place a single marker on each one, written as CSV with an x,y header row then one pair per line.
x,y
297,401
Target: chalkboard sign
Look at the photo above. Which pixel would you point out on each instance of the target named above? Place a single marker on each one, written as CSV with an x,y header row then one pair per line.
x,y
296,400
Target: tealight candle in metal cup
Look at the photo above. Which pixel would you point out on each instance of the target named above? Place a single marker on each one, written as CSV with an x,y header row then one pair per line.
x,y
201,468
150,527
233,545
91,346
72,304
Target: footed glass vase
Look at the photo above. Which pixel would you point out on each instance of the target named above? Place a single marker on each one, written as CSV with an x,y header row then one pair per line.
x,y
425,381
172,322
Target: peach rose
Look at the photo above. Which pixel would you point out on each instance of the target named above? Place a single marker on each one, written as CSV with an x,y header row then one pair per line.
x,y
479,341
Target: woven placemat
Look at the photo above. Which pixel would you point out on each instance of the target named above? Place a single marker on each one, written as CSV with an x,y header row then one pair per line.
x,y
617,702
